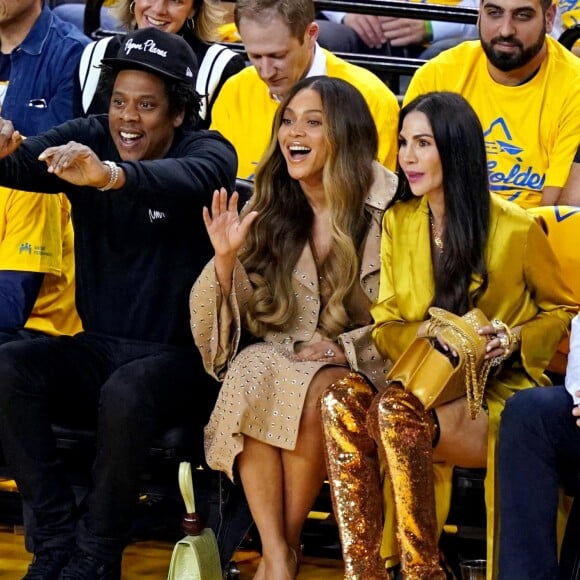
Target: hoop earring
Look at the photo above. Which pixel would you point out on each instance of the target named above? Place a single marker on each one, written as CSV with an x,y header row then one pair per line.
x,y
190,23
132,7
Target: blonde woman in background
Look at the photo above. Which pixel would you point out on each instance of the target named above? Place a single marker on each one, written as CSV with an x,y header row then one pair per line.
x,y
197,21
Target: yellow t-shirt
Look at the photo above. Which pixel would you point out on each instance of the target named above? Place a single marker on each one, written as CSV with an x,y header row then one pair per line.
x,y
36,236
243,112
531,131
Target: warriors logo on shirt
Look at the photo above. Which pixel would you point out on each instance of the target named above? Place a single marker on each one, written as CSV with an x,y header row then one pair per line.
x,y
566,5
508,174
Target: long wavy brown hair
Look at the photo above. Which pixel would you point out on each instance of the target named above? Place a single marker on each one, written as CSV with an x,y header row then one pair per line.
x,y
285,218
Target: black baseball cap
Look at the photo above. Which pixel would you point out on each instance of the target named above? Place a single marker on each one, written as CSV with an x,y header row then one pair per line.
x,y
158,52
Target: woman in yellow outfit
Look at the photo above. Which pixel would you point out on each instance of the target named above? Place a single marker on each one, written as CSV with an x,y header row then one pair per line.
x,y
448,243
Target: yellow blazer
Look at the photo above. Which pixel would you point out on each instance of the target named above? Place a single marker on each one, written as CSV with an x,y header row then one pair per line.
x,y
525,287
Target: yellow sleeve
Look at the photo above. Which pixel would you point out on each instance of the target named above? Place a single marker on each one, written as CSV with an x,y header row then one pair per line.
x,y
563,150
216,320
220,113
541,336
387,122
416,86
391,333
31,232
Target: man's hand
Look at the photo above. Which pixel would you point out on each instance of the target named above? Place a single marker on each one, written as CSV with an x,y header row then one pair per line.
x,y
576,410
403,31
551,195
369,28
77,164
10,139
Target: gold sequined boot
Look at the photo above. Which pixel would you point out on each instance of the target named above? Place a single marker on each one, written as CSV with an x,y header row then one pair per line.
x,y
353,472
404,433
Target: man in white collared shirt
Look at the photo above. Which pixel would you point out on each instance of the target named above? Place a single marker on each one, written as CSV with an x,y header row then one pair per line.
x,y
280,39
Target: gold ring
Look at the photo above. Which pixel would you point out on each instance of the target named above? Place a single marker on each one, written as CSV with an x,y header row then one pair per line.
x,y
502,328
498,325
504,341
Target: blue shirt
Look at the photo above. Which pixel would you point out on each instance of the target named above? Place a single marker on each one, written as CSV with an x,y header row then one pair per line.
x,y
42,67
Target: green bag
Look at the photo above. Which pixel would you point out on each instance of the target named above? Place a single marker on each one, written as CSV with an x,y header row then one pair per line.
x,y
195,557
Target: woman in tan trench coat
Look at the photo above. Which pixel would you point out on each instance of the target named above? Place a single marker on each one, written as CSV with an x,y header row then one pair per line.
x,y
295,279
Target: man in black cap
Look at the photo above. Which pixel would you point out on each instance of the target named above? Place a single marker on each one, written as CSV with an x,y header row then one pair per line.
x,y
137,179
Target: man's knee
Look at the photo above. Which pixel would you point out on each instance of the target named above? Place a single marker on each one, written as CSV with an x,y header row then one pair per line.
x,y
124,394
532,409
536,402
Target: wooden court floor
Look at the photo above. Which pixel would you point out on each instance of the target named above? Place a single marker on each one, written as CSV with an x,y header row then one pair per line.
x,y
142,560
149,560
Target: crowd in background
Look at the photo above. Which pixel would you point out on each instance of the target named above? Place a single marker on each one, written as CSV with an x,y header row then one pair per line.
x,y
133,289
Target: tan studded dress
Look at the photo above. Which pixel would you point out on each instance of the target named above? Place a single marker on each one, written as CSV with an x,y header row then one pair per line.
x,y
264,386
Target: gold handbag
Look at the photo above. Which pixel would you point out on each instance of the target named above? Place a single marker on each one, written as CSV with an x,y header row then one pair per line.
x,y
195,557
435,377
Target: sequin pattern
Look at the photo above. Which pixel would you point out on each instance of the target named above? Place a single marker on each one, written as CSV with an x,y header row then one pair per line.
x,y
403,431
353,472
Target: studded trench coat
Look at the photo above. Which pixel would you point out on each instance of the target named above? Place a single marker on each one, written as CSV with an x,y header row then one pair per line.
x,y
264,386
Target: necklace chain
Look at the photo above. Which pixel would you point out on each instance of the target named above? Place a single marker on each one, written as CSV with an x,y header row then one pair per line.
x,y
437,240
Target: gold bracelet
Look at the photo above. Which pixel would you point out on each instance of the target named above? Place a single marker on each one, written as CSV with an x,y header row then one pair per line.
x,y
516,339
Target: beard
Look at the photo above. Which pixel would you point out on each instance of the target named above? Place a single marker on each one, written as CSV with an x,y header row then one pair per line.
x,y
507,62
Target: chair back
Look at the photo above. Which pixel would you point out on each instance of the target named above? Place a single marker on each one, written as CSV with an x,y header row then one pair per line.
x,y
245,189
562,225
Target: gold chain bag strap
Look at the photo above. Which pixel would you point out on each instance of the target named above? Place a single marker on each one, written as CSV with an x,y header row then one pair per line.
x,y
433,375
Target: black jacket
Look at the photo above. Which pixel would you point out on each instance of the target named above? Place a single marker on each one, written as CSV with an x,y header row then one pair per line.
x,y
138,249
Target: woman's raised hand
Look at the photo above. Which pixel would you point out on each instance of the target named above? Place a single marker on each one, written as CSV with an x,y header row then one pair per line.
x,y
226,232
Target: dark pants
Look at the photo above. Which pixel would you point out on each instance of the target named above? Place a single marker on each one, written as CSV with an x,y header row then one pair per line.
x,y
128,390
539,445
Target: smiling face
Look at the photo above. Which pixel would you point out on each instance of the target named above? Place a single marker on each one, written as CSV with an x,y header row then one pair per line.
x,y
167,15
302,139
513,32
139,119
419,157
280,59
